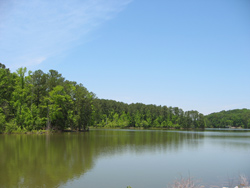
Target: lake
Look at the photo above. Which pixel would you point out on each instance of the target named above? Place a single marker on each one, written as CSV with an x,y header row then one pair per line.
x,y
117,158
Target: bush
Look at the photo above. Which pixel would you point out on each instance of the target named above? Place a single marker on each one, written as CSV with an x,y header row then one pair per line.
x,y
10,127
2,122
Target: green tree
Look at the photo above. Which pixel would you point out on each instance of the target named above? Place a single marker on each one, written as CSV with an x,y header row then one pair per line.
x,y
7,85
21,96
57,103
2,120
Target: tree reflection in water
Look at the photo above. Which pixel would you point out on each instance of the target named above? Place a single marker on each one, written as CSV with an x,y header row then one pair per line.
x,y
53,160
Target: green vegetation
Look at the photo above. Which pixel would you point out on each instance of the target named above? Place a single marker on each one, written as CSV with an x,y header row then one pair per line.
x,y
39,101
231,118
46,101
109,113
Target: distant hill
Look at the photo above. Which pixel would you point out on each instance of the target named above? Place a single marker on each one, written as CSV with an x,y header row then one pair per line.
x,y
230,118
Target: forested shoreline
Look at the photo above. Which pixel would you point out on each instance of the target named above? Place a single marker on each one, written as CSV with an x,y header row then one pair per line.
x,y
230,118
47,101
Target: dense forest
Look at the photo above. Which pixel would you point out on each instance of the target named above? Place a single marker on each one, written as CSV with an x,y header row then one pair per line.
x,y
231,118
38,101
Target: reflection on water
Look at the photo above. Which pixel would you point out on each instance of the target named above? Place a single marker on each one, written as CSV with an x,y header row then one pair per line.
x,y
53,160
43,160
110,142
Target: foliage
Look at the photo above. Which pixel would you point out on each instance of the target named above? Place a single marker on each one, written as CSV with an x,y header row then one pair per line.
x,y
2,119
231,118
10,127
39,101
35,101
118,114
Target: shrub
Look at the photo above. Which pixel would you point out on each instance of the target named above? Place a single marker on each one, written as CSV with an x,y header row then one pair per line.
x,y
10,127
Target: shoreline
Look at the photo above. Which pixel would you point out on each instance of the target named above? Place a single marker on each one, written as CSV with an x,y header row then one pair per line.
x,y
41,132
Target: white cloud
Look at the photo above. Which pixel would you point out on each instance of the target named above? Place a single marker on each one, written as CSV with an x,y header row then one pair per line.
x,y
34,30
28,62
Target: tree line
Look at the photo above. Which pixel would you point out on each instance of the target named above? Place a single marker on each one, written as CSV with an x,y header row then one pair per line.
x,y
39,101
230,118
110,113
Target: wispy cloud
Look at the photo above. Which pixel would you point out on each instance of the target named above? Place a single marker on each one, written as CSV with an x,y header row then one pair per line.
x,y
33,30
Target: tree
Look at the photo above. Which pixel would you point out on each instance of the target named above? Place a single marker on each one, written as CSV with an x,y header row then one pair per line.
x,y
39,80
57,103
83,107
2,120
7,85
20,96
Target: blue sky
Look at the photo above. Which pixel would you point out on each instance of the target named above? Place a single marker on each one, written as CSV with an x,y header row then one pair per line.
x,y
191,54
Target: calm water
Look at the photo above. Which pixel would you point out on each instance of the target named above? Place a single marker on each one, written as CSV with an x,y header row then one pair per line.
x,y
118,158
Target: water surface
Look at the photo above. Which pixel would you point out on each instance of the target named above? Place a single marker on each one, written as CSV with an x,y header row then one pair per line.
x,y
118,158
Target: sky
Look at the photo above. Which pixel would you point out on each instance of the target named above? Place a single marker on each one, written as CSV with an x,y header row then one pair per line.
x,y
192,54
